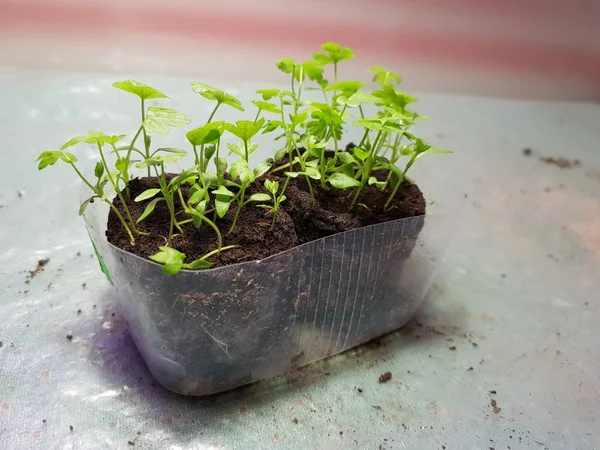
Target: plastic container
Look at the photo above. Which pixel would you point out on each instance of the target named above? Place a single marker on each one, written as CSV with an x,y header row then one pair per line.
x,y
203,332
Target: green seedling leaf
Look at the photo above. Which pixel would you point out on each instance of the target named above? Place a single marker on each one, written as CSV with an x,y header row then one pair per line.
x,y
221,165
198,264
148,193
346,158
49,158
333,54
171,259
245,129
141,90
241,170
272,186
85,204
216,95
186,176
360,153
263,168
280,154
161,120
314,72
272,126
198,213
268,94
149,208
259,198
197,195
340,180
158,160
299,118
347,88
206,134
99,170
394,99
209,151
223,191
266,106
358,99
222,204
121,164
376,182
171,150
383,76
286,65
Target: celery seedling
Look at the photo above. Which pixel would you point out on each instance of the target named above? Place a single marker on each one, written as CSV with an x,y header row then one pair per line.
x,y
272,187
173,260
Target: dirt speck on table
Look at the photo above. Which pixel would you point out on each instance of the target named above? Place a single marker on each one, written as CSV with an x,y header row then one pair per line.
x,y
494,406
560,162
40,267
527,151
69,336
295,421
385,377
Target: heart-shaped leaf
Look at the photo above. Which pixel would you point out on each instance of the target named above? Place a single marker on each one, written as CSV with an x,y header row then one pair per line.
x,y
160,120
206,134
342,181
216,95
141,90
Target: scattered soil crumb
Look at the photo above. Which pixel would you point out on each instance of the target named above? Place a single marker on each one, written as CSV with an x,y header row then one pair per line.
x,y
295,421
69,336
71,427
474,344
377,407
78,311
494,406
493,391
78,253
385,377
131,442
40,267
341,433
503,275
360,390
83,286
44,421
527,151
20,194
561,162
452,347
2,343
547,189
470,368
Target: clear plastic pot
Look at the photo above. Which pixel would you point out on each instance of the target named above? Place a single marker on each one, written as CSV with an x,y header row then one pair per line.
x,y
203,332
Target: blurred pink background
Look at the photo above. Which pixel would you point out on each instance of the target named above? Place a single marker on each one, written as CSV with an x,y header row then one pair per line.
x,y
533,49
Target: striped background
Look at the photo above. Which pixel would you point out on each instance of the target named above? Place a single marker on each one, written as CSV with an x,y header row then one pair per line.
x,y
545,49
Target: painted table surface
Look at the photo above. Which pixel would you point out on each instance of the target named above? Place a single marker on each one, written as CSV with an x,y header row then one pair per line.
x,y
512,315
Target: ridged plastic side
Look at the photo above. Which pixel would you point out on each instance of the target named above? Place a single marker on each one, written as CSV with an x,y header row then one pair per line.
x,y
202,332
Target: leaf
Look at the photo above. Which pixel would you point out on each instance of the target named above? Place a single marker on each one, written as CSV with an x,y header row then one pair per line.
x,y
266,106
237,148
357,99
272,126
348,88
141,90
286,65
221,165
197,195
299,118
186,176
222,190
149,208
259,198
148,193
209,151
334,53
272,186
48,158
206,134
198,264
85,204
342,181
198,213
245,129
346,158
99,170
121,164
67,157
280,154
268,94
384,76
314,71
160,120
376,182
394,99
171,150
217,95
241,170
263,168
360,153
313,173
222,204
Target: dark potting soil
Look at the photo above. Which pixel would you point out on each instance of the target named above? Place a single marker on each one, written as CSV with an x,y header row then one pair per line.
x,y
299,220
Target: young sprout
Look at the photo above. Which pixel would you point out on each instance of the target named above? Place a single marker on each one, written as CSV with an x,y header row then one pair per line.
x,y
173,260
272,187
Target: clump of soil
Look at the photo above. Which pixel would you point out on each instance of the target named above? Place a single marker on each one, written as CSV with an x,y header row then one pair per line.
x,y
299,220
252,234
40,267
385,377
560,162
527,151
494,406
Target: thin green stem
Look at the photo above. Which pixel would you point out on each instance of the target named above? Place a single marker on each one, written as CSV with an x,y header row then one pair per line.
x,y
117,190
239,208
398,183
274,217
246,151
257,115
146,146
213,113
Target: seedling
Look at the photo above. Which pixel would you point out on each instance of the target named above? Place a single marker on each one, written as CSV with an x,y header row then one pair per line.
x,y
311,131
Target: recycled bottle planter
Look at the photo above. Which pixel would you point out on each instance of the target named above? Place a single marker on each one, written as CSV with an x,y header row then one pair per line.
x,y
203,332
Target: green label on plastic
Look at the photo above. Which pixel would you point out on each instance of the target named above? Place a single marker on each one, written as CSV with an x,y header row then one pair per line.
x,y
103,267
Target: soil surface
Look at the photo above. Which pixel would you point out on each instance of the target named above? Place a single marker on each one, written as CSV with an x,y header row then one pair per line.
x,y
300,219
